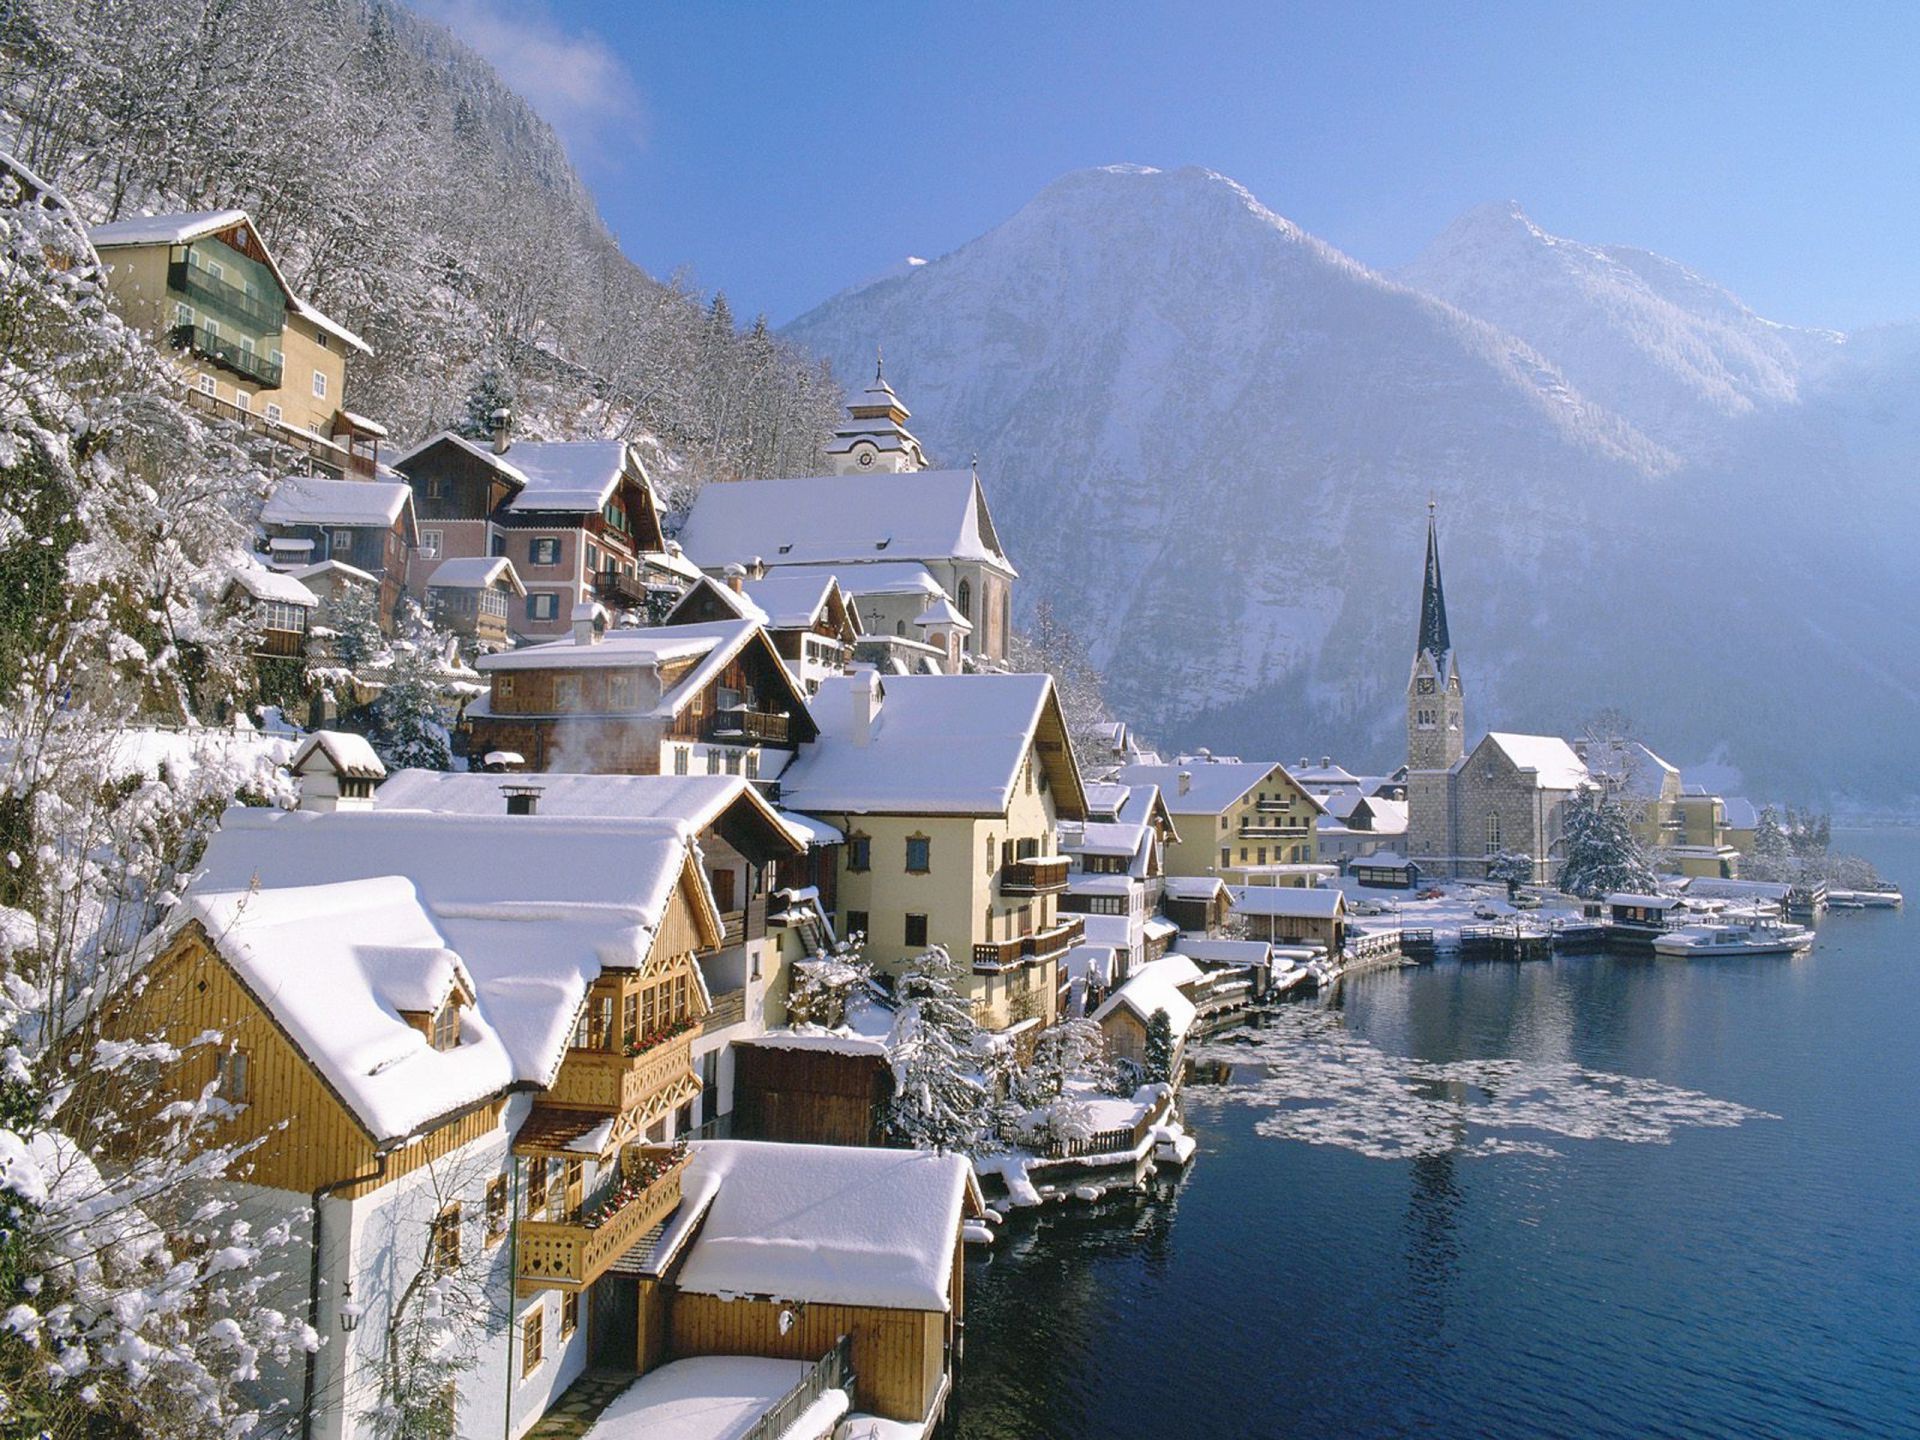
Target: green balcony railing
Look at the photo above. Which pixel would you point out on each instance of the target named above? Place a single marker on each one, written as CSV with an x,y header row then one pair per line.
x,y
227,355
198,283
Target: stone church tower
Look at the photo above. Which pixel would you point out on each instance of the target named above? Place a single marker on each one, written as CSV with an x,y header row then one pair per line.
x,y
874,439
1436,727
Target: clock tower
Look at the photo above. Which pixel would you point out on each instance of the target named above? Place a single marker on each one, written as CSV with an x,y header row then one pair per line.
x,y
1436,708
874,439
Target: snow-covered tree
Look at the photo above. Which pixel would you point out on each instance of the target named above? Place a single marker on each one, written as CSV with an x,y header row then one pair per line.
x,y
1770,837
1159,1049
1602,853
407,723
819,987
1071,1049
940,1101
493,391
1512,869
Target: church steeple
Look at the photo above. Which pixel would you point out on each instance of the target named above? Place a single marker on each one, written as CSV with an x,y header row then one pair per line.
x,y
1434,639
1436,707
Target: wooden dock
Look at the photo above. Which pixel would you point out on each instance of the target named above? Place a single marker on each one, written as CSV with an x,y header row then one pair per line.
x,y
1504,942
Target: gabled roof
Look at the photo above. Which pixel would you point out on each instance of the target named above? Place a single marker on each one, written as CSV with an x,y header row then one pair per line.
x,y
1553,761
1212,785
886,578
940,744
1156,986
475,572
696,801
844,520
312,500
187,226
535,906
571,475
265,584
332,570
790,599
824,1224
485,454
336,965
1291,902
348,755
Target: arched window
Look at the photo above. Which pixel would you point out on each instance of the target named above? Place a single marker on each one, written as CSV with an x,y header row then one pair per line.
x,y
899,627
966,598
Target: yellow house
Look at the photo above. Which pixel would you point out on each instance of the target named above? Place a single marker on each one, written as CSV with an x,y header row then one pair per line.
x,y
948,788
249,348
1247,821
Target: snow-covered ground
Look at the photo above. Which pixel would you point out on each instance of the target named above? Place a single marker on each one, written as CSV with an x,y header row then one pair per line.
x,y
1461,904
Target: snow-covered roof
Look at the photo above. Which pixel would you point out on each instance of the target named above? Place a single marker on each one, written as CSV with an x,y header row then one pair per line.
x,y
790,599
311,500
1644,902
942,612
335,965
1286,901
570,475
1194,887
844,519
475,572
363,423
535,906
1553,761
265,584
347,754
329,569
1105,797
184,227
482,452
830,1224
1158,927
1212,785
695,801
1156,986
1204,951
706,1397
1113,931
885,578
940,744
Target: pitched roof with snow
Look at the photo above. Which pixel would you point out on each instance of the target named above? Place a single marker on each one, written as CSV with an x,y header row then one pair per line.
x,y
348,754
1212,785
844,520
1156,986
335,965
475,572
1553,761
311,500
826,1224
1286,901
1628,764
572,475
265,584
534,906
884,578
940,744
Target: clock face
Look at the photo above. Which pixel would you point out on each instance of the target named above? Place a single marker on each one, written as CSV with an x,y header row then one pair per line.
x,y
866,458
1424,685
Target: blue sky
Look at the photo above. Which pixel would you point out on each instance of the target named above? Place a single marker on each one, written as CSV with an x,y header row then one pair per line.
x,y
782,152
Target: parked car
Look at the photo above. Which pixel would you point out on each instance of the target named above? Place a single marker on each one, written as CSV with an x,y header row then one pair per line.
x,y
1431,894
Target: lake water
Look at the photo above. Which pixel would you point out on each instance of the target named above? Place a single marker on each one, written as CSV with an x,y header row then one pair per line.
x,y
1597,1197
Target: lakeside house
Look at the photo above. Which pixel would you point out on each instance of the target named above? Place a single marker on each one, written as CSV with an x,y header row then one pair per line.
x,y
1246,821
949,790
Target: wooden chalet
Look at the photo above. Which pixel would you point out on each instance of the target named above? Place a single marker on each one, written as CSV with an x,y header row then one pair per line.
x,y
808,617
685,699
366,524
474,597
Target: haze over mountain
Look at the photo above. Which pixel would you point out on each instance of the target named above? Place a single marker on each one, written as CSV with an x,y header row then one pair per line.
x,y
1210,438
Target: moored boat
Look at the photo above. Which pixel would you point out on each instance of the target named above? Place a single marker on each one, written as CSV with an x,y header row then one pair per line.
x,y
1743,939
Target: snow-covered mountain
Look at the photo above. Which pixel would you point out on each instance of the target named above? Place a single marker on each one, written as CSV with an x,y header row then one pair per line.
x,y
1210,438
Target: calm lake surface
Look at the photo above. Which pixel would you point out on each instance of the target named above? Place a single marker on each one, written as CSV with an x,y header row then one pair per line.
x,y
1597,1197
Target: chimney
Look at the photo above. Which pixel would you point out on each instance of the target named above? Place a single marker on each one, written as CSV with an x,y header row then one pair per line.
x,y
758,568
521,799
500,425
866,704
736,577
589,623
1186,781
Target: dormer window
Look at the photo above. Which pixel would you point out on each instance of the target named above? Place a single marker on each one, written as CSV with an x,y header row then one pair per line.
x,y
445,1034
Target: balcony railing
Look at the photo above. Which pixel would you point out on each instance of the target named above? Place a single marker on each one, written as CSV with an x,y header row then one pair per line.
x,y
1025,949
1273,832
194,280
1273,807
618,589
572,1253
320,453
1035,875
740,724
226,354
655,1081
749,922
832,1371
728,1009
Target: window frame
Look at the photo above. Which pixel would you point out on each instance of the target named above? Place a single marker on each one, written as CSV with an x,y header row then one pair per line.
x,y
909,926
533,1338
443,1240
319,384
925,842
859,853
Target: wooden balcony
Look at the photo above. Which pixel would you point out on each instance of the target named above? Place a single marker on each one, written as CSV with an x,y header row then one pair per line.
x,y
651,1083
616,589
741,726
572,1253
1035,875
1273,807
729,1008
737,927
1274,831
1026,949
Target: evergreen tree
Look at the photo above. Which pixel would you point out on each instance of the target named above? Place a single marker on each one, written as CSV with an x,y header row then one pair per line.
x,y
407,724
939,1101
1602,853
1769,837
1512,869
1159,1050
493,391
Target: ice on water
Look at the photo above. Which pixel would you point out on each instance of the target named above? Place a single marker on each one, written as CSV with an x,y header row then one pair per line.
x,y
1321,1083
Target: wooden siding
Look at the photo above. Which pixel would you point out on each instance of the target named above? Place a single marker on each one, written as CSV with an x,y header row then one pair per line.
x,y
308,1138
898,1355
811,1097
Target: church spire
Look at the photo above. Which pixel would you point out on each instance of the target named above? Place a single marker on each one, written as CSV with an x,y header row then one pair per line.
x,y
1433,603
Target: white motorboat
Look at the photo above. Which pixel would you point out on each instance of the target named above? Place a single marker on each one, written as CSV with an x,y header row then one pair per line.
x,y
1750,938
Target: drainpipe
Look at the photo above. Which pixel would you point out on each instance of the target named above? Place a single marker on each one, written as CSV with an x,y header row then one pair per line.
x,y
513,1284
379,1172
